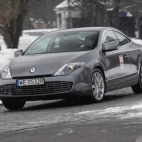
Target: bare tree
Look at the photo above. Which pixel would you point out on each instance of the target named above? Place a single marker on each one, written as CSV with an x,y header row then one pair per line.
x,y
109,9
11,20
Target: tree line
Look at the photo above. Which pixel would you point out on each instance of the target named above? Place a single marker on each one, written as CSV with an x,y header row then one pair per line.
x,y
109,9
15,14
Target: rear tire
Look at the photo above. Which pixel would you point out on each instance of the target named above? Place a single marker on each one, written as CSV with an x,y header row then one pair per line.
x,y
12,104
137,89
98,86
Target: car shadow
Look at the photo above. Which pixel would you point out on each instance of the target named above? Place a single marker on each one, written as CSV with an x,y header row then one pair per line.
x,y
82,102
50,105
55,104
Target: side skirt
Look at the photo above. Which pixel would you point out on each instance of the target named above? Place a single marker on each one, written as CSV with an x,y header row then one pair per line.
x,y
130,81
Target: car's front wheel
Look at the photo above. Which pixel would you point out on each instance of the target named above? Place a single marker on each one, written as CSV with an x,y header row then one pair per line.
x,y
13,104
98,86
137,89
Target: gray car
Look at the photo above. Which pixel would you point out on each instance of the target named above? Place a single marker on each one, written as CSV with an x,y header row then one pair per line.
x,y
72,63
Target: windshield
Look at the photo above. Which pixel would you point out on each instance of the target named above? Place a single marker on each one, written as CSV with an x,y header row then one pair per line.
x,y
64,42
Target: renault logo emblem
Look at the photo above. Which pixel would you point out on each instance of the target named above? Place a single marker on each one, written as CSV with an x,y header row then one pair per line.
x,y
33,70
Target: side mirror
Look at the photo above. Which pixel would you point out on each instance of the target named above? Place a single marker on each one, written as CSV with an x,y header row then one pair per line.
x,y
110,46
18,53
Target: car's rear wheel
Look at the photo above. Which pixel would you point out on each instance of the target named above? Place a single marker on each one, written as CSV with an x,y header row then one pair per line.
x,y
137,89
12,104
98,86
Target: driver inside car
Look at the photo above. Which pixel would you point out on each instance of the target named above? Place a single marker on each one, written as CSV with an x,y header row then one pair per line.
x,y
90,42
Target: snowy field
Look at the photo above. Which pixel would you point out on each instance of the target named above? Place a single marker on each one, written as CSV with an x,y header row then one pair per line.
x,y
137,40
7,54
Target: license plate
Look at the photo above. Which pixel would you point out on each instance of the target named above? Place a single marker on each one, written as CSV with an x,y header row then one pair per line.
x,y
30,82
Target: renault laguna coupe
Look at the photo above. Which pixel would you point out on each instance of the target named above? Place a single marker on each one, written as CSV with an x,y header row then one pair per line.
x,y
72,63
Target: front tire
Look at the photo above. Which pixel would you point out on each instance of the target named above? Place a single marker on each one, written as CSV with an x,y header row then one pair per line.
x,y
12,104
98,86
137,89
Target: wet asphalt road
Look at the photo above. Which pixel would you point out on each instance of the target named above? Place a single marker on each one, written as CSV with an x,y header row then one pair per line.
x,y
117,119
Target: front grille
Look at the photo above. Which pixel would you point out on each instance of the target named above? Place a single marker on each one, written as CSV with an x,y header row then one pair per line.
x,y
47,88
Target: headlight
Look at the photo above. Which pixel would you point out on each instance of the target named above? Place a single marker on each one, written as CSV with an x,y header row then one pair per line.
x,y
68,68
5,73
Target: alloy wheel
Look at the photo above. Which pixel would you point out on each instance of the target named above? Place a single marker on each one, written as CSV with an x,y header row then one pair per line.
x,y
98,86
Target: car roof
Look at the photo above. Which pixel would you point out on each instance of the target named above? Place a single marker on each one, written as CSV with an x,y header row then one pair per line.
x,y
82,29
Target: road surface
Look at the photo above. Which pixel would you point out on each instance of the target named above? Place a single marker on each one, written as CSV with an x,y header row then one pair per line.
x,y
117,119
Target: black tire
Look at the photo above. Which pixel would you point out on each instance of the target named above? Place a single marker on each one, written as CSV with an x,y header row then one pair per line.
x,y
13,104
103,86
137,89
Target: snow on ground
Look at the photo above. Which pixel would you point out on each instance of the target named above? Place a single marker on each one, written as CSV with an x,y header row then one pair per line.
x,y
137,40
121,112
6,55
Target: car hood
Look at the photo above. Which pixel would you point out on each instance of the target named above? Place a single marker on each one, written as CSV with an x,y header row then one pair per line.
x,y
45,64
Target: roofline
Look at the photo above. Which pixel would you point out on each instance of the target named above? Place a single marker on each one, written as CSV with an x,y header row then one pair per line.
x,y
83,29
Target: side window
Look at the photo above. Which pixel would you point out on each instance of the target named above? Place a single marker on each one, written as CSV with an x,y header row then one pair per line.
x,y
122,40
109,36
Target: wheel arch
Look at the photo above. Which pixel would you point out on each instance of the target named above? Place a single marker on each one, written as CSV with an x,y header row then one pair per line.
x,y
101,69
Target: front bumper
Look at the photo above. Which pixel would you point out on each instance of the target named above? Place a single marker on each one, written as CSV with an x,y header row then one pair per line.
x,y
57,87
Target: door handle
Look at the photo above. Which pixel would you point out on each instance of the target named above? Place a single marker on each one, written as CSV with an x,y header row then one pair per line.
x,y
126,56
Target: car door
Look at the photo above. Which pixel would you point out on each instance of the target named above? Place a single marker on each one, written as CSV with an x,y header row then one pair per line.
x,y
134,54
117,62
